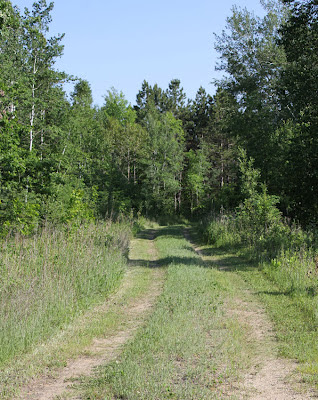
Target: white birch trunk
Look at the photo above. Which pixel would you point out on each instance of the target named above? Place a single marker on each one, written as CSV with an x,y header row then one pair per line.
x,y
32,116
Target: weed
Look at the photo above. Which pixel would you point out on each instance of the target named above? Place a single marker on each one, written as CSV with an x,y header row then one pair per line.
x,y
47,279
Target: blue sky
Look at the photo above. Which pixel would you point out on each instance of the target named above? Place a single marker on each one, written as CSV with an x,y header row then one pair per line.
x,y
120,43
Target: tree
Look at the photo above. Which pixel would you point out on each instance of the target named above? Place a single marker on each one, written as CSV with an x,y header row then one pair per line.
x,y
11,55
252,61
82,94
175,98
222,140
299,84
201,117
149,98
39,58
165,163
128,142
196,178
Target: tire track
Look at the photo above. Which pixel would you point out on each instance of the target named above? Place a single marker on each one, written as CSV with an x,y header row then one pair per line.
x,y
104,350
269,377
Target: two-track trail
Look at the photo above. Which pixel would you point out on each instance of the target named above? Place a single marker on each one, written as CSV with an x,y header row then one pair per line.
x,y
205,296
269,376
138,292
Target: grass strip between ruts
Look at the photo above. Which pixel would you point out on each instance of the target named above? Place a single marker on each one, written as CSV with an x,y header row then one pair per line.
x,y
188,349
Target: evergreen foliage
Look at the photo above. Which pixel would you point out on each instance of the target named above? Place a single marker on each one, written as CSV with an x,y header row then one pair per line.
x,y
64,160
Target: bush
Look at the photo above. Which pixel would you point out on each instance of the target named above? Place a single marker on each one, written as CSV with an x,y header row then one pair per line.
x,y
294,271
19,213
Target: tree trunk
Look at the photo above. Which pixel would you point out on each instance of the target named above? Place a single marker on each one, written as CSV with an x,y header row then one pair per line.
x,y
128,167
32,121
222,166
32,116
180,191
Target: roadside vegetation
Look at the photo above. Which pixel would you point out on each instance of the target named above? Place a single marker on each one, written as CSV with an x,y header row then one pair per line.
x,y
283,266
48,279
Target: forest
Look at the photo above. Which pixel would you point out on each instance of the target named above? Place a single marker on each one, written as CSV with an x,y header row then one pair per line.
x,y
236,171
63,159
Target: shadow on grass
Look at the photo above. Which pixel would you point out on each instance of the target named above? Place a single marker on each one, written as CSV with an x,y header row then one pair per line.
x,y
230,264
309,291
171,232
148,234
168,232
219,251
275,292
222,258
219,258
165,262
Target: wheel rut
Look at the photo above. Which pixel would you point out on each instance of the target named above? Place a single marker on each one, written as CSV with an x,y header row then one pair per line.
x,y
104,350
269,376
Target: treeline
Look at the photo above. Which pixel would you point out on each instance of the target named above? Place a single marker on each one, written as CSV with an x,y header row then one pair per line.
x,y
62,159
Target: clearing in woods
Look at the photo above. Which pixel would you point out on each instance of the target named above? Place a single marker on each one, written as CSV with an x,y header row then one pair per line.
x,y
188,326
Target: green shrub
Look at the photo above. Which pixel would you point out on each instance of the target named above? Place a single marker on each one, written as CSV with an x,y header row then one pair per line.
x,y
19,213
72,202
258,217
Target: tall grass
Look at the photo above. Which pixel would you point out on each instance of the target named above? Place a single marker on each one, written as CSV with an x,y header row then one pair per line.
x,y
47,279
286,253
220,230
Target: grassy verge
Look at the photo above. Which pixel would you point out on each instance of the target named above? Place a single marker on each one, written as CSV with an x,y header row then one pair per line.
x,y
286,283
188,349
46,280
295,319
99,320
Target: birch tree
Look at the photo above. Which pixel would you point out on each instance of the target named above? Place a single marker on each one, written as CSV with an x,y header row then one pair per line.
x,y
41,53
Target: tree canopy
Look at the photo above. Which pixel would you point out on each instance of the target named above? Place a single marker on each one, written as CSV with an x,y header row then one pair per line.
x,y
64,159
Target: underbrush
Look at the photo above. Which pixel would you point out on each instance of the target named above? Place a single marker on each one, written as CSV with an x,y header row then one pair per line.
x,y
47,279
286,254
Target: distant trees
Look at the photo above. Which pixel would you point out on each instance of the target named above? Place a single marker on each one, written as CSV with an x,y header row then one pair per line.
x,y
253,61
63,160
299,97
271,69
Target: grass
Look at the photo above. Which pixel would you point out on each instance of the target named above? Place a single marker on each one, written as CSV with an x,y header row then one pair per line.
x,y
188,348
99,320
295,319
47,280
191,347
286,284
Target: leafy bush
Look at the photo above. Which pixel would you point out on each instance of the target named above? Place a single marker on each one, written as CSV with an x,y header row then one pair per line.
x,y
257,223
19,213
71,202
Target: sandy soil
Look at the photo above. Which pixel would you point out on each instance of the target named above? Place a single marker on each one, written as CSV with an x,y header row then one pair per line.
x,y
270,377
102,350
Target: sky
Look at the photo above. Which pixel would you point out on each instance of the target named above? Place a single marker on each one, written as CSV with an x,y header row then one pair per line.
x,y
120,43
